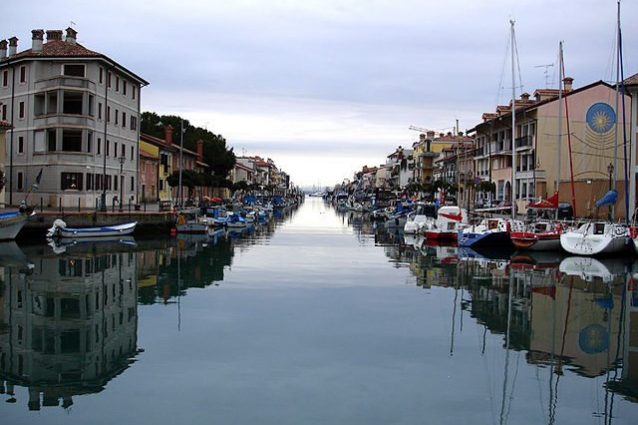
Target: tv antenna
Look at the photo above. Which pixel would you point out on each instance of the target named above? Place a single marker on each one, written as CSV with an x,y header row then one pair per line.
x,y
546,72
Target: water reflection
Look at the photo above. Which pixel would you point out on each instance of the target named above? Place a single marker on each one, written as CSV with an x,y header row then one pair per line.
x,y
69,312
68,324
573,315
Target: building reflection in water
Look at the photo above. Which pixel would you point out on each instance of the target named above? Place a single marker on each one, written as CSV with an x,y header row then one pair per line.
x,y
68,324
572,315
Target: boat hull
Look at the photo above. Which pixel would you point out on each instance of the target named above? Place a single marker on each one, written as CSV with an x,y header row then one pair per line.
x,y
97,232
436,235
578,244
11,224
536,241
485,239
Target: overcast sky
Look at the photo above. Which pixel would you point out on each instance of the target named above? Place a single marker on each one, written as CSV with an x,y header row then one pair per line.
x,y
326,86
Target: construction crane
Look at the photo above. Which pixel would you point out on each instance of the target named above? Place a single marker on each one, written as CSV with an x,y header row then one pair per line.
x,y
420,129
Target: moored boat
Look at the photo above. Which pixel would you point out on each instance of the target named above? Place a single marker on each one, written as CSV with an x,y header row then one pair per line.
x,y
539,236
11,222
61,230
490,231
449,221
595,238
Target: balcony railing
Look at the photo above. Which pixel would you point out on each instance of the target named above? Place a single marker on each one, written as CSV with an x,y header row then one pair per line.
x,y
524,142
64,81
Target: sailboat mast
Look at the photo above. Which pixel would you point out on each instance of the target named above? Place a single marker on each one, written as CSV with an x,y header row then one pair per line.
x,y
560,120
615,170
513,124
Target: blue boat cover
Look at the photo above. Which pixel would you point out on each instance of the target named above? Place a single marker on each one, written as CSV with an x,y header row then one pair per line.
x,y
609,199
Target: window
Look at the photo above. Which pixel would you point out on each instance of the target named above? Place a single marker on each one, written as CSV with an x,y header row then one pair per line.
x,y
132,153
91,101
72,181
4,112
101,78
115,150
52,140
23,74
89,142
108,79
20,144
124,87
117,83
99,111
72,140
52,102
116,180
132,183
72,103
117,114
73,70
122,151
5,78
90,178
21,109
123,119
108,147
99,146
108,114
20,180
134,90
133,122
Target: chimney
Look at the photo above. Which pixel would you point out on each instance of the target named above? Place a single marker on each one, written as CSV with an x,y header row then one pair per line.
x,y
36,37
168,134
200,150
421,137
431,134
525,96
13,46
54,35
567,83
3,49
71,35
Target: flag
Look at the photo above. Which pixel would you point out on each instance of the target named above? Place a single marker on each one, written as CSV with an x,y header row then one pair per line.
x,y
37,179
39,176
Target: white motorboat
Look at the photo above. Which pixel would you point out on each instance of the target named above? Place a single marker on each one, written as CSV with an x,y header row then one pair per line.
x,y
596,237
61,230
449,221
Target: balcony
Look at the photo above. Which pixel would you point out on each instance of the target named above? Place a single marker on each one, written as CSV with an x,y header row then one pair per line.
x,y
525,142
64,81
58,120
539,175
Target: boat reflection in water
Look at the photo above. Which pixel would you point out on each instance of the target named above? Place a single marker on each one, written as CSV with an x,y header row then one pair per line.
x,y
574,315
68,323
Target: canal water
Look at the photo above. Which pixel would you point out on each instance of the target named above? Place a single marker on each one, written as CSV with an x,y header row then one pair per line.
x,y
316,318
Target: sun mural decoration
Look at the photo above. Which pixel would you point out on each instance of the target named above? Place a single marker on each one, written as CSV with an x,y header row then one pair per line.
x,y
601,117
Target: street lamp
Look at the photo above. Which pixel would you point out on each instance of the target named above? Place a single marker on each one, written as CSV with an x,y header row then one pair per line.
x,y
122,158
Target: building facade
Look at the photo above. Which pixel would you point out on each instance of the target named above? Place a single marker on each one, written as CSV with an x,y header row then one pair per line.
x,y
75,115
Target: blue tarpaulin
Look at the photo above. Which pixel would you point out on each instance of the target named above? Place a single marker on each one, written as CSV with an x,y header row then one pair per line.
x,y
609,199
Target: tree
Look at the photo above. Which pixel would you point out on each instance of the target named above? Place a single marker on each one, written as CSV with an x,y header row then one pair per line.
x,y
219,157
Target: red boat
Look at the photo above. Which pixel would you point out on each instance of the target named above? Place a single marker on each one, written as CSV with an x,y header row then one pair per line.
x,y
540,236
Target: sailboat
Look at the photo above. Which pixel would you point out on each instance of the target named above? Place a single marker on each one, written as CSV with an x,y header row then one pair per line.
x,y
495,232
605,237
544,235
